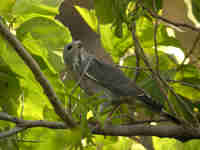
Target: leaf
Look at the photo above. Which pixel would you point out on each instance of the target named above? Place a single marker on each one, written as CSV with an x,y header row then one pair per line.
x,y
46,38
196,9
166,144
188,77
10,91
89,16
145,31
114,45
43,138
6,7
149,4
32,91
105,10
24,7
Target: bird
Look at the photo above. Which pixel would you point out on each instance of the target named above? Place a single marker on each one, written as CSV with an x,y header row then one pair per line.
x,y
96,76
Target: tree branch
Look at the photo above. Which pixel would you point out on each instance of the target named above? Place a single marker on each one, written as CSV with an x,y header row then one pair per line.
x,y
11,132
154,74
155,40
39,76
21,124
176,24
137,55
171,131
32,123
192,49
137,129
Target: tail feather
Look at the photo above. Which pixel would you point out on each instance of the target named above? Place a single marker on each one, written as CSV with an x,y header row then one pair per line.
x,y
154,105
169,116
157,107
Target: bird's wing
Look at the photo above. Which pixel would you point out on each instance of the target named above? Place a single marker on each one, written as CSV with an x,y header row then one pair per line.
x,y
115,80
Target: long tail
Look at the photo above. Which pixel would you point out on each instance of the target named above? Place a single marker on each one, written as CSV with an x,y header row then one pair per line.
x,y
157,107
148,100
169,116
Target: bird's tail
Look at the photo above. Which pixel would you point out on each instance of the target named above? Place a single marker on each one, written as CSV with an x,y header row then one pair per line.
x,y
169,116
157,107
148,100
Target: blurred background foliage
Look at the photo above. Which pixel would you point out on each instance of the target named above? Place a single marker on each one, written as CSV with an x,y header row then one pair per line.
x,y
34,24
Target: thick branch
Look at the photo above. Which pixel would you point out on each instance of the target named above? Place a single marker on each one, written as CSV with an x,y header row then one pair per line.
x,y
138,129
171,131
39,76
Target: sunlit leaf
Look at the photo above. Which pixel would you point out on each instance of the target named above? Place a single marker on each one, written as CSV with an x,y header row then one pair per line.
x,y
6,7
89,16
24,7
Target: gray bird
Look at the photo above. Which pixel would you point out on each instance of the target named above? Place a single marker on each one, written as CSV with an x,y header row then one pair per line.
x,y
96,76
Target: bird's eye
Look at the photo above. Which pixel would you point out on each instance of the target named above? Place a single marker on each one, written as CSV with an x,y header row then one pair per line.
x,y
69,47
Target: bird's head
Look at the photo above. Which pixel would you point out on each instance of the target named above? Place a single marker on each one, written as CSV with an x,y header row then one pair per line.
x,y
71,51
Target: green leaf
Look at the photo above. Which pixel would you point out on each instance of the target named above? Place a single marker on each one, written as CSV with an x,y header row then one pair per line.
x,y
149,4
114,45
24,7
105,10
188,77
44,139
32,91
46,38
145,31
166,144
196,9
89,16
10,91
6,7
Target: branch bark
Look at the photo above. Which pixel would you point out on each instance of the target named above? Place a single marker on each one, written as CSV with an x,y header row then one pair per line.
x,y
170,130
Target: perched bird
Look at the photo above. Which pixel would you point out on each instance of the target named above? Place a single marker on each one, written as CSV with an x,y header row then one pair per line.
x,y
97,76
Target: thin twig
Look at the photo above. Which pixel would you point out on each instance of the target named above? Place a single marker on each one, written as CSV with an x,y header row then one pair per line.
x,y
32,123
177,24
187,108
137,54
29,141
22,125
191,51
197,87
138,46
155,39
11,132
22,105
164,83
39,76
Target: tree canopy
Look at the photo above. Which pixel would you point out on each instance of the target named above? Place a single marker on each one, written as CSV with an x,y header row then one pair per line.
x,y
155,45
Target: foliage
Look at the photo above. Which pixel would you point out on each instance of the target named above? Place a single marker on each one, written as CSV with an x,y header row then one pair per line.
x,y
44,38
